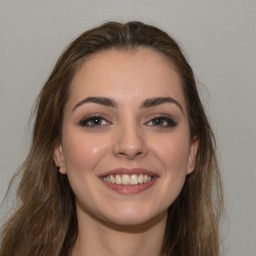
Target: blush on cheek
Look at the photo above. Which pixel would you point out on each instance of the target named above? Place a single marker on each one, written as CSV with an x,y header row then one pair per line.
x,y
174,155
83,153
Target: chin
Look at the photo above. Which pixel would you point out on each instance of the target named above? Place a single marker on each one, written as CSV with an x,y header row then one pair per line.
x,y
134,218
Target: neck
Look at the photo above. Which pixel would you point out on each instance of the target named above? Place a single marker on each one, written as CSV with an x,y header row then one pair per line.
x,y
96,237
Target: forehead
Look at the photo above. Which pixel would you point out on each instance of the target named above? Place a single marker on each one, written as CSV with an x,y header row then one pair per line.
x,y
135,75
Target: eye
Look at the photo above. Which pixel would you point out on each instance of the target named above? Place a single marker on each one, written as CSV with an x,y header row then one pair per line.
x,y
162,121
93,121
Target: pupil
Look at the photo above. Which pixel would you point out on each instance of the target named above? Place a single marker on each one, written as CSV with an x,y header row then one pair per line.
x,y
97,121
158,121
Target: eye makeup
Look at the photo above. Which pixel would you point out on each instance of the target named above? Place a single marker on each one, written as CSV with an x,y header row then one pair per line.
x,y
161,121
154,121
93,121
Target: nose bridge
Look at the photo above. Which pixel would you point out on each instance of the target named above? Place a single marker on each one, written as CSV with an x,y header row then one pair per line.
x,y
129,141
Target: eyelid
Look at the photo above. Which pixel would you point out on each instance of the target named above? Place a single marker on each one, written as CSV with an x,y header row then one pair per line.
x,y
166,117
84,122
90,117
159,115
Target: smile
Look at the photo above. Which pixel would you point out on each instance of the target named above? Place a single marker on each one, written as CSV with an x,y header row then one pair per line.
x,y
128,180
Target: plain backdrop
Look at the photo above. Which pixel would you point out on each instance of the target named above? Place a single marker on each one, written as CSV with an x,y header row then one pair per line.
x,y
219,40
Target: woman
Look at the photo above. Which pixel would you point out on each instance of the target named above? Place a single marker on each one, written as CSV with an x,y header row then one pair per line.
x,y
122,158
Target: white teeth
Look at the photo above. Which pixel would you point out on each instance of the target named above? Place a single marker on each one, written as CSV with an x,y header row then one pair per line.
x,y
140,180
145,178
112,179
126,179
134,179
118,179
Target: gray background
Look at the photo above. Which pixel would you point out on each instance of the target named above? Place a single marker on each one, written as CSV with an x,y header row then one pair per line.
x,y
219,39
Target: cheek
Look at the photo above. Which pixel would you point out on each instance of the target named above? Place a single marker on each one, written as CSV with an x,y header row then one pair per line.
x,y
82,153
173,152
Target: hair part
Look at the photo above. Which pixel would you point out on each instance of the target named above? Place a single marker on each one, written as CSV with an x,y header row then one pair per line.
x,y
45,223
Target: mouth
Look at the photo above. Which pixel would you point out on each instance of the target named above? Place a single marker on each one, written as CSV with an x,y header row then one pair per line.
x,y
129,181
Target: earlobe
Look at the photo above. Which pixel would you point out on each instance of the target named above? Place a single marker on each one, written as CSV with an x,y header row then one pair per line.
x,y
192,155
59,159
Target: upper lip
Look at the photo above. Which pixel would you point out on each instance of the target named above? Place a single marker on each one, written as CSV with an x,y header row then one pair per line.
x,y
129,171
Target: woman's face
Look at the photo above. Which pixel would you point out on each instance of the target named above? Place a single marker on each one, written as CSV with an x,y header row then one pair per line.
x,y
126,145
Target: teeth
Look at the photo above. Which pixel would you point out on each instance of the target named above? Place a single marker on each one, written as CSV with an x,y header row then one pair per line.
x,y
112,179
126,179
140,180
118,179
134,180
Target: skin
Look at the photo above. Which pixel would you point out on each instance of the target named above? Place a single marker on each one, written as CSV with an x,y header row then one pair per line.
x,y
128,136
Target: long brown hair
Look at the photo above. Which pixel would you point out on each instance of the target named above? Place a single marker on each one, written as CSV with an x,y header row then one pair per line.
x,y
45,222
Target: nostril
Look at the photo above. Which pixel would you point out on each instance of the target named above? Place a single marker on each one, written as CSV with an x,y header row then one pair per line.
x,y
129,146
130,155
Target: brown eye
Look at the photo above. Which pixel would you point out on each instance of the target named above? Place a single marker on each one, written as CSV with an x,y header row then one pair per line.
x,y
93,121
164,122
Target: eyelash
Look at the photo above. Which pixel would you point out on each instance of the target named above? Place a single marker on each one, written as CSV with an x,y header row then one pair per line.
x,y
169,122
84,122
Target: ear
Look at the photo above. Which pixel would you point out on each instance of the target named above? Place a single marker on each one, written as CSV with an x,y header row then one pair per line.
x,y
192,155
59,158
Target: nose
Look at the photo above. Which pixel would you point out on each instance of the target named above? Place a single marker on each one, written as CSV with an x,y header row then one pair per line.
x,y
130,143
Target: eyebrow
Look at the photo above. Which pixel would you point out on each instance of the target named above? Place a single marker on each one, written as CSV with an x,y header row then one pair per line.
x,y
97,100
158,101
108,102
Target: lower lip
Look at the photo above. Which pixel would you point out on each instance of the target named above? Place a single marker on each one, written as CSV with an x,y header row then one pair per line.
x,y
132,189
